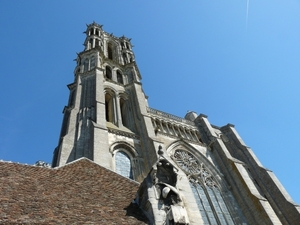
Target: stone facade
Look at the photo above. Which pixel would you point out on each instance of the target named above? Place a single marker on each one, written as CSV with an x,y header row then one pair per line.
x,y
191,172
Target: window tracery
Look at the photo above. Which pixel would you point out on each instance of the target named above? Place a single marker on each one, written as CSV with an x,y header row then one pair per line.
x,y
207,192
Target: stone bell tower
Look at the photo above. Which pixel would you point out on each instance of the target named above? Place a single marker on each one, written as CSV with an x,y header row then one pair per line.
x,y
106,119
190,171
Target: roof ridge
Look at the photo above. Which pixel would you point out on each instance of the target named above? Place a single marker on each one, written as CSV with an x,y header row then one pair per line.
x,y
22,164
91,161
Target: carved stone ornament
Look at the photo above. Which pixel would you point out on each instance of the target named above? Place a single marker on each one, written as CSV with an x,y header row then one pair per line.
x,y
41,163
165,181
189,164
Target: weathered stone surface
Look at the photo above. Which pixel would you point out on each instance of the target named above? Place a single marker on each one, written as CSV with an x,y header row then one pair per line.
x,y
218,177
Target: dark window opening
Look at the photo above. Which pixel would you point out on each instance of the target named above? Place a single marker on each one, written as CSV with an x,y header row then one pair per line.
x,y
119,77
130,59
123,112
110,51
108,73
109,108
91,43
125,58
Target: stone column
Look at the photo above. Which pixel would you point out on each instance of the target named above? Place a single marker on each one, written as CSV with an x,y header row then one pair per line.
x,y
185,134
118,111
167,125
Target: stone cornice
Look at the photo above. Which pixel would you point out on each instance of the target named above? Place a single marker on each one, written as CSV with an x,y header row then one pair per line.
x,y
182,138
122,133
170,117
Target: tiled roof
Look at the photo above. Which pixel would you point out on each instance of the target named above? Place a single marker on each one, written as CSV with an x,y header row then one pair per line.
x,y
81,192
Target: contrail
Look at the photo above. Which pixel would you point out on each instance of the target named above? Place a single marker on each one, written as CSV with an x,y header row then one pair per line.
x,y
247,14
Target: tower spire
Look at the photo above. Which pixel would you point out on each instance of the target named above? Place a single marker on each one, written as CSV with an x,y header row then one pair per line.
x,y
106,100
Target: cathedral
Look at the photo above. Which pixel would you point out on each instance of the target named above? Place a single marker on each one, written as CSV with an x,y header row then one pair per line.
x,y
119,161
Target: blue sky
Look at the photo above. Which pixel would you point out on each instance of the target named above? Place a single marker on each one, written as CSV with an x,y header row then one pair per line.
x,y
207,56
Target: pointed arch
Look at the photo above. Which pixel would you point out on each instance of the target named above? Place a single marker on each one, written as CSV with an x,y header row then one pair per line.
x,y
205,182
123,164
125,110
123,155
181,144
129,148
109,106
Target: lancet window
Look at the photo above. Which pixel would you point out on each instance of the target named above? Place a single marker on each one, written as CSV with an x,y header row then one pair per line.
x,y
110,51
119,77
89,63
125,58
117,110
206,190
91,31
123,164
109,108
123,112
108,72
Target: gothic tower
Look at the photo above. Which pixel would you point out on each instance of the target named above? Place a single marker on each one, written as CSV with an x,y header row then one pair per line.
x,y
191,172
106,117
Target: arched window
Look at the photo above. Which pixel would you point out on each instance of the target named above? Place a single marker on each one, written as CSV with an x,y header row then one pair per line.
x,y
119,77
123,113
86,65
123,164
206,191
108,72
109,108
110,51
